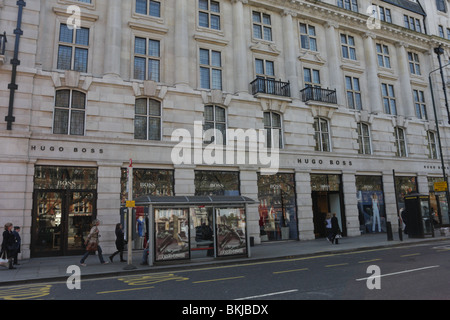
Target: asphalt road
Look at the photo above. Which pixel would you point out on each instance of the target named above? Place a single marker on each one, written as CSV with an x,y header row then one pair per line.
x,y
416,272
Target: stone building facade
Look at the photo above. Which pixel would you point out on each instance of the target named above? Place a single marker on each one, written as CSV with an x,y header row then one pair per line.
x,y
348,94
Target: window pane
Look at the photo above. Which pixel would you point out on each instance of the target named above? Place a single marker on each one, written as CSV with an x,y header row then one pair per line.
x,y
270,70
217,79
216,59
82,37
81,60
276,120
62,98
140,128
139,68
77,123
204,56
65,34
154,129
256,17
141,106
203,20
257,32
61,121
209,113
220,114
267,119
259,66
140,46
203,5
155,9
153,70
215,22
141,6
204,78
78,100
154,108
64,58
153,48
215,7
312,44
267,34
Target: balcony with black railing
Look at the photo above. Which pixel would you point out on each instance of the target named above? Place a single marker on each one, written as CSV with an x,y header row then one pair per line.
x,y
271,86
318,94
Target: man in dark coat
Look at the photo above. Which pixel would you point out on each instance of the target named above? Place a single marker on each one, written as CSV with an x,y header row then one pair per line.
x,y
18,243
8,244
335,229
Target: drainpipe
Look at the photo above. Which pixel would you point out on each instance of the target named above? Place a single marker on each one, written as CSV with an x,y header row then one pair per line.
x,y
15,62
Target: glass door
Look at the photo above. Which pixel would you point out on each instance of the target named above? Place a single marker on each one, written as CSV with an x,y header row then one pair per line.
x,y
202,232
48,212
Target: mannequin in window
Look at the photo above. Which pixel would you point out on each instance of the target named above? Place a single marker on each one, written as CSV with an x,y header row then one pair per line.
x,y
375,213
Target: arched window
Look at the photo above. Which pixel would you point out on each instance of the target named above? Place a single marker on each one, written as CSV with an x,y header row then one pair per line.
x,y
70,111
147,119
322,134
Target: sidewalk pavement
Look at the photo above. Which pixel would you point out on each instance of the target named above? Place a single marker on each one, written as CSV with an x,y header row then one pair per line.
x,y
55,268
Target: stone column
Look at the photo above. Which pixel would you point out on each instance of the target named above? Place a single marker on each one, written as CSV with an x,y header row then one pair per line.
x,y
113,38
422,183
241,81
405,96
181,43
290,53
249,188
373,83
333,57
350,204
304,205
108,203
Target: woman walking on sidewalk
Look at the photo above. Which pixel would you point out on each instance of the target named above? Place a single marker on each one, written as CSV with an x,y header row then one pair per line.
x,y
120,243
92,244
8,244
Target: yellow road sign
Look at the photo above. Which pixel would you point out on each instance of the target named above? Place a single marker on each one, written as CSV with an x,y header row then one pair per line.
x,y
440,186
131,204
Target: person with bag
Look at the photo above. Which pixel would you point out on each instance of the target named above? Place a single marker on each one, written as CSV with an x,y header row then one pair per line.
x,y
120,243
335,230
8,245
92,244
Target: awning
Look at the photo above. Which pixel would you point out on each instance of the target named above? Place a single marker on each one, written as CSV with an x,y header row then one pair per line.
x,y
192,200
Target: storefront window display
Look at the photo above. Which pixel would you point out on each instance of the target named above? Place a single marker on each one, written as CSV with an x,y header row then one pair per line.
x,y
172,234
277,207
216,183
403,187
438,203
371,206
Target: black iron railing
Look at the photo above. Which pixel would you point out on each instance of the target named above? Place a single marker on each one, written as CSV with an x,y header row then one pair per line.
x,y
3,44
318,94
271,86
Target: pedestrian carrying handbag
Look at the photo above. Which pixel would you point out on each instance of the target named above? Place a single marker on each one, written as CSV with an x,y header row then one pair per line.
x,y
4,259
92,246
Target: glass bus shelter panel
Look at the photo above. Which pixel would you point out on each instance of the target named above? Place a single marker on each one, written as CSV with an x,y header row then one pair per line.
x,y
231,231
171,234
202,232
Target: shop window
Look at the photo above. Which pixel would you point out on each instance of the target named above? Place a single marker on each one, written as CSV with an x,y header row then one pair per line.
x,y
216,183
371,205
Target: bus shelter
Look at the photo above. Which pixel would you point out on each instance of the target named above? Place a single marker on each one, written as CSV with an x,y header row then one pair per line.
x,y
191,227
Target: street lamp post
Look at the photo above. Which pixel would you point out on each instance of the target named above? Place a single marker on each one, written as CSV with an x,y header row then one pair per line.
x,y
439,51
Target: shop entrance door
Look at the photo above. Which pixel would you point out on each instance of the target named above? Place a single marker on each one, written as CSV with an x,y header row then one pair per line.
x,y
324,202
61,221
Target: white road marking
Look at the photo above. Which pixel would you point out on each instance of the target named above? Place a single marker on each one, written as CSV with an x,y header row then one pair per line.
x,y
396,273
268,295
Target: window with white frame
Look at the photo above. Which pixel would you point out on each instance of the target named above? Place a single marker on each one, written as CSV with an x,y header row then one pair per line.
x,y
274,130
308,37
322,134
265,72
311,77
147,119
364,140
70,112
400,142
262,26
432,150
348,47
419,104
353,93
384,59
412,23
209,14
389,100
73,48
414,65
215,125
210,69
147,59
348,4
149,7
382,13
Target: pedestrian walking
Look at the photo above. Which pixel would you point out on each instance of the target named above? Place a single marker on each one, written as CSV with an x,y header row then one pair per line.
x,y
18,244
328,227
92,244
120,243
145,254
335,230
8,245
